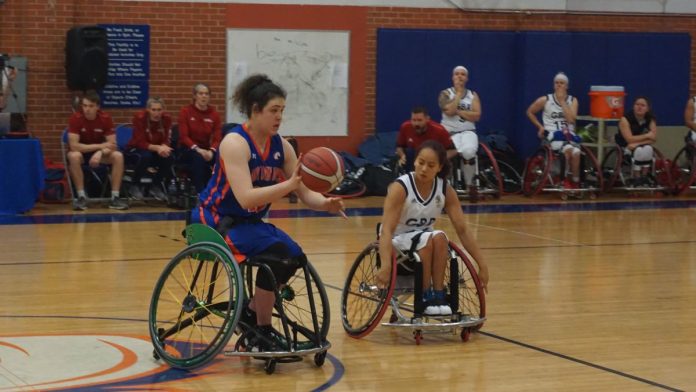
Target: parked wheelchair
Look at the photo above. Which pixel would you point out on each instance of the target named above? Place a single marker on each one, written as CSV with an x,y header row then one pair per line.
x,y
197,302
487,180
619,169
545,172
364,304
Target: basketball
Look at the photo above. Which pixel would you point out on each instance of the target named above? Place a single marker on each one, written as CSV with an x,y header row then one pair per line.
x,y
321,169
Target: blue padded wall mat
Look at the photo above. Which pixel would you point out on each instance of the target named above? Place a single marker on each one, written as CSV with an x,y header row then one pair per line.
x,y
510,69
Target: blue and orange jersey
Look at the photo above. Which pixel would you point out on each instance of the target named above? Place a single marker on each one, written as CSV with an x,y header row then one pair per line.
x,y
265,168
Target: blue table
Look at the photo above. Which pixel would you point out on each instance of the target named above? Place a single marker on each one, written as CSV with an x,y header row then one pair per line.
x,y
21,174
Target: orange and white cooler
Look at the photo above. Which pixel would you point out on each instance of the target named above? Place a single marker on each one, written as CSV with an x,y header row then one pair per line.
x,y
607,101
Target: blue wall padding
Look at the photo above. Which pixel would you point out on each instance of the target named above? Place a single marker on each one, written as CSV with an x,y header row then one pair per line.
x,y
509,70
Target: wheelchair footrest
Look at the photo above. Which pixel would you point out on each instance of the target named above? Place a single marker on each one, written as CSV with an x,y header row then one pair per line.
x,y
281,356
436,323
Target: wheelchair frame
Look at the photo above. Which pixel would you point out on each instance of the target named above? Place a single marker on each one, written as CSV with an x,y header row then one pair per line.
x,y
489,181
616,168
545,169
684,169
191,331
363,304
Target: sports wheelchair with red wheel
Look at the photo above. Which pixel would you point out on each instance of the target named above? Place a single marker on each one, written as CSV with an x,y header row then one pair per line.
x,y
684,168
363,303
545,171
618,167
198,299
487,182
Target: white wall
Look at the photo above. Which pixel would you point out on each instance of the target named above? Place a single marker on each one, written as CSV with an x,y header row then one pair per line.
x,y
600,6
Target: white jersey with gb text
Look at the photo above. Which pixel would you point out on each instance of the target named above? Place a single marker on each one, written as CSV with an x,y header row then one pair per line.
x,y
553,116
455,124
419,213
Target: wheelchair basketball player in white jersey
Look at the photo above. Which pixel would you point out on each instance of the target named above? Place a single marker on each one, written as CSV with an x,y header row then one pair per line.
x,y
560,111
461,109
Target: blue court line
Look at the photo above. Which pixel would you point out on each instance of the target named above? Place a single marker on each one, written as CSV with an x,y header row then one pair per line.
x,y
365,211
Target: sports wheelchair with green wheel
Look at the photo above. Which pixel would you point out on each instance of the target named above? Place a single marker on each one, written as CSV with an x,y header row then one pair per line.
x,y
197,303
363,303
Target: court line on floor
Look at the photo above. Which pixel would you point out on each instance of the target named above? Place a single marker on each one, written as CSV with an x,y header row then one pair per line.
x,y
336,376
580,361
559,355
318,254
354,211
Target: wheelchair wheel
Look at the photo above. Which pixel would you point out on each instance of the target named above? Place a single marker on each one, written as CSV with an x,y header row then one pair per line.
x,y
611,168
591,174
489,172
347,189
510,177
472,299
306,308
663,173
194,306
684,169
536,172
362,303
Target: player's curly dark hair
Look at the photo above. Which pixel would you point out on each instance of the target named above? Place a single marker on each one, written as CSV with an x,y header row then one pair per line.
x,y
254,92
441,156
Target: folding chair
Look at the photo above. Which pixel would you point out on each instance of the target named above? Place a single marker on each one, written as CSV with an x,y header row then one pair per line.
x,y
99,175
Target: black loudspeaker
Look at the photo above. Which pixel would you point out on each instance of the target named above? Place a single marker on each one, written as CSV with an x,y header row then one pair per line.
x,y
86,58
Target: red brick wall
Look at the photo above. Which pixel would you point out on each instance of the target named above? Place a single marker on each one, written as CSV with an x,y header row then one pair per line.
x,y
188,45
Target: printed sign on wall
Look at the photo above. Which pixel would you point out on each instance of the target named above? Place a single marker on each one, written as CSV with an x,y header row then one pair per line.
x,y
129,66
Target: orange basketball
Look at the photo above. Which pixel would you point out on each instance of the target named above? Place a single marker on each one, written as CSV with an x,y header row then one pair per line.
x,y
321,169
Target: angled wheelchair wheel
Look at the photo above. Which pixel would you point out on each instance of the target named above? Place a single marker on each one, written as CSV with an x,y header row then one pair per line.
x,y
510,177
489,172
684,169
347,189
663,173
306,307
195,305
472,299
362,303
536,172
591,171
611,168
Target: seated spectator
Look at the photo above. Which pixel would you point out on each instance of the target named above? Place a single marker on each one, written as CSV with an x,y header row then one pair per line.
x,y
690,120
637,133
91,139
150,142
414,132
200,132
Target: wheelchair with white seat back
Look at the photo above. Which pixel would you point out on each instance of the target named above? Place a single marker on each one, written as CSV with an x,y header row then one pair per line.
x,y
545,172
363,303
197,303
619,169
487,180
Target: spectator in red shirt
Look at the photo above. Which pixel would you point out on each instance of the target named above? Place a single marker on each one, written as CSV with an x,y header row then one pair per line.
x,y
414,132
151,143
91,139
200,132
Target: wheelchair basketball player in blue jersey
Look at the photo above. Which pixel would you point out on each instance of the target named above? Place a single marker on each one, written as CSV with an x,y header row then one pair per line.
x,y
254,168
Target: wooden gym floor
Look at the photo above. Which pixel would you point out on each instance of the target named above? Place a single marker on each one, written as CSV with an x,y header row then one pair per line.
x,y
584,296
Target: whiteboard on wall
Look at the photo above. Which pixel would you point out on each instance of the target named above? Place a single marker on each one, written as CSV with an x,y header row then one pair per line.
x,y
311,65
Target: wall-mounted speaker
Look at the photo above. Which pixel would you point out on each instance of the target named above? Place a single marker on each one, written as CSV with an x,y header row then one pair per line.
x,y
86,58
